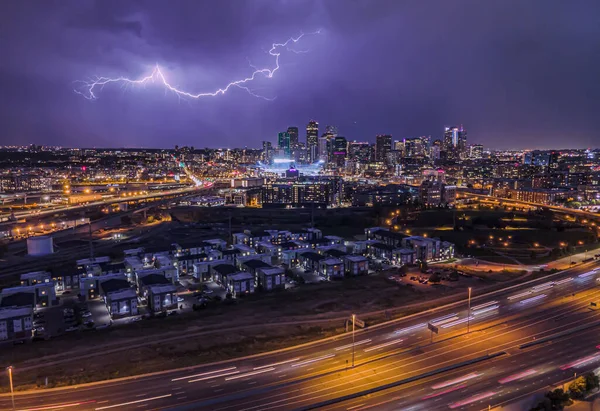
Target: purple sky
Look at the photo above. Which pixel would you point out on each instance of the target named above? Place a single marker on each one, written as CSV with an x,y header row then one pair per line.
x,y
517,74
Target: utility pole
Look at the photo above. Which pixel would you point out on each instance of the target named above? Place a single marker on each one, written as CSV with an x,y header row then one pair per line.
x,y
469,313
91,243
230,233
353,320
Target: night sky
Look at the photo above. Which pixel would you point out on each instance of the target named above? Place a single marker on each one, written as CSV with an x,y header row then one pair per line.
x,y
515,73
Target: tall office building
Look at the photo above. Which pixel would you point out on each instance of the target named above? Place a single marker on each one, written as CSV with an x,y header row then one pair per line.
x,y
294,143
414,147
359,152
323,149
383,145
340,150
267,153
312,140
283,143
293,132
455,142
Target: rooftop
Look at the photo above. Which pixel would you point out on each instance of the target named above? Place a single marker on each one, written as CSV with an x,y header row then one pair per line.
x,y
13,312
331,261
154,279
22,299
160,289
256,264
272,270
240,276
113,285
122,294
225,269
312,256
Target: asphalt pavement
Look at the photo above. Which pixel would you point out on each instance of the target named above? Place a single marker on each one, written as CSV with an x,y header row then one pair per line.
x,y
416,372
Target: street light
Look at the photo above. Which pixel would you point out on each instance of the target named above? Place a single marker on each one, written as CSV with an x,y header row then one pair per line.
x,y
12,392
353,320
469,313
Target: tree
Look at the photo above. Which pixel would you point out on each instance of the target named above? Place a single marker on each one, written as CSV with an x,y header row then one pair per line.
x,y
592,381
435,278
577,388
558,398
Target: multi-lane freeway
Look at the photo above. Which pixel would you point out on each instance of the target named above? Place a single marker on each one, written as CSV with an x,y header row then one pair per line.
x,y
396,364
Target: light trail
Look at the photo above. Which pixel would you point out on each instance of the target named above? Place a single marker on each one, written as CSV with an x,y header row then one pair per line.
x,y
387,344
518,376
532,299
456,380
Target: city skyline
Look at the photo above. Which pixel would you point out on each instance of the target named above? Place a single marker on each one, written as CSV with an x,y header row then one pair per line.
x,y
519,75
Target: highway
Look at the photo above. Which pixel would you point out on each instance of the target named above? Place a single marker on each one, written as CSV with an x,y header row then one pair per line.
x,y
559,209
51,210
386,356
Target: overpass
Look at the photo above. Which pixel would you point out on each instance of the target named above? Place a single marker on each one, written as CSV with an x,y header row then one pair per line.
x,y
564,210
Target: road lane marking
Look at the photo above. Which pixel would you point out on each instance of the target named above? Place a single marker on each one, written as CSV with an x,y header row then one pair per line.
x,y
134,402
59,406
277,363
204,373
306,362
249,374
345,347
210,377
387,344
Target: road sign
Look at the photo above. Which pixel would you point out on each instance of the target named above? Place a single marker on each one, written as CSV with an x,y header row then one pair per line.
x,y
433,328
357,322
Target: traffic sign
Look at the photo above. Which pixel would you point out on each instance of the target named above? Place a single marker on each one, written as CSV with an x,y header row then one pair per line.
x,y
433,328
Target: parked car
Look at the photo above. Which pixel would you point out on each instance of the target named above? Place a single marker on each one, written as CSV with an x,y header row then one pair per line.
x,y
86,314
180,299
39,323
413,278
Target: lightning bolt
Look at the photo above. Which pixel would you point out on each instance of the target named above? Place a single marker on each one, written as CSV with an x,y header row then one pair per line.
x,y
89,89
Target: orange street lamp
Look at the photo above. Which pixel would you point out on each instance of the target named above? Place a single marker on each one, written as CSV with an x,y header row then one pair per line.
x,y
12,392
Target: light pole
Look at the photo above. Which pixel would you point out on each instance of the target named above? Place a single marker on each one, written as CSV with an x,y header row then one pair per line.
x,y
353,320
12,393
469,313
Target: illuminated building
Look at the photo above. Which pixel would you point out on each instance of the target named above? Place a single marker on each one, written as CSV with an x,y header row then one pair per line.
x,y
283,143
476,151
383,145
455,142
312,140
340,151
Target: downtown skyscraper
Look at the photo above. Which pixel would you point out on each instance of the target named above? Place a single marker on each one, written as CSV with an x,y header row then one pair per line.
x,y
312,140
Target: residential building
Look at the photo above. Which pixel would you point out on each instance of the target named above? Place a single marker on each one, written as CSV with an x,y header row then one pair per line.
x,y
271,278
356,265
240,283
331,268
16,324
